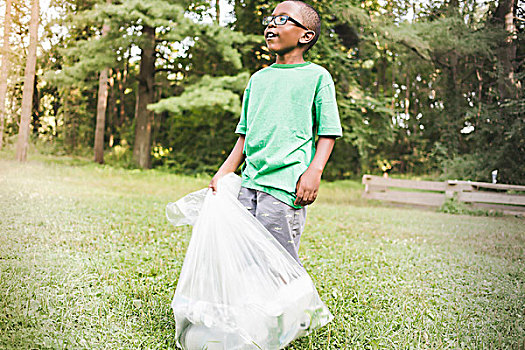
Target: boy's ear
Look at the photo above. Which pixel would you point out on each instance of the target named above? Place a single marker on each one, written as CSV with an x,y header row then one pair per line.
x,y
307,37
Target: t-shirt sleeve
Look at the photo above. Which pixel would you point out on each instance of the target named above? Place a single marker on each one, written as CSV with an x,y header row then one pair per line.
x,y
241,126
326,112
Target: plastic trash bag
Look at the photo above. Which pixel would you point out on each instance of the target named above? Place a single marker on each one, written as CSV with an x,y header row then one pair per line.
x,y
186,210
238,287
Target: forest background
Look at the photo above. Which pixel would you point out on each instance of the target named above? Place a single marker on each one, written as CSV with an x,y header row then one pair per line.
x,y
432,88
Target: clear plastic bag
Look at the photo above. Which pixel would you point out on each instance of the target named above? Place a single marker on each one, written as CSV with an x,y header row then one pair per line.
x,y
186,210
238,287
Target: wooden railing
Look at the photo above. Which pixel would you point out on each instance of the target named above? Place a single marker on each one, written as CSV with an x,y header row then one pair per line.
x,y
509,199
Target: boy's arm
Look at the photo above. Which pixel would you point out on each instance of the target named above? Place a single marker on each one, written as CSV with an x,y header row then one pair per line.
x,y
231,163
308,184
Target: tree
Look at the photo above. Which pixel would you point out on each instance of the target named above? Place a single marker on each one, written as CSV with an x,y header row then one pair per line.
x,y
29,80
508,85
145,95
4,69
135,24
101,107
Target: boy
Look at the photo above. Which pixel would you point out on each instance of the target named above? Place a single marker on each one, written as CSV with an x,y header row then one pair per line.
x,y
284,107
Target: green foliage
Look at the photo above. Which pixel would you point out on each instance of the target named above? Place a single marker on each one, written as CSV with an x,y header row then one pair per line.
x,y
222,92
411,36
222,46
367,126
465,167
90,52
499,145
200,139
453,206
500,141
120,156
410,80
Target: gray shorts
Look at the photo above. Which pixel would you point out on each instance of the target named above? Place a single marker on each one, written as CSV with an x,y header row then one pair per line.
x,y
284,222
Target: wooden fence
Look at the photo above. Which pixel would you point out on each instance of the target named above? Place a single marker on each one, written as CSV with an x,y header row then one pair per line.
x,y
509,199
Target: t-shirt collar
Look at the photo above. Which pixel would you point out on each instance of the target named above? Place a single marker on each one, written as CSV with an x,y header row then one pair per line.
x,y
295,65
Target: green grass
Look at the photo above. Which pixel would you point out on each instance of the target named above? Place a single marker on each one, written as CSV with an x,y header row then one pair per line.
x,y
88,260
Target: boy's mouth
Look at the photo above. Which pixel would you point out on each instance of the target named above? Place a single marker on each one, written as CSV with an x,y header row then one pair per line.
x,y
270,35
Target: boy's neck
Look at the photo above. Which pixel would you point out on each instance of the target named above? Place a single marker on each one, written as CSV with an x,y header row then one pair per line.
x,y
290,58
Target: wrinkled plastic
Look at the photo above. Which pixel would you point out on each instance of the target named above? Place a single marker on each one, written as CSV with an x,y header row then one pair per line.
x,y
238,287
186,210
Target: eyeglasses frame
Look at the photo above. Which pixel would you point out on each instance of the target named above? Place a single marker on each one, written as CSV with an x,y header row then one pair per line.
x,y
288,18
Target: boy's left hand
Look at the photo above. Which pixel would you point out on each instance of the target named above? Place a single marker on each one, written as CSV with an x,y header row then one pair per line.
x,y
307,187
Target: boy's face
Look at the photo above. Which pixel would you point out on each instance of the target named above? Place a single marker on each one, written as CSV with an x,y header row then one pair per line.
x,y
288,36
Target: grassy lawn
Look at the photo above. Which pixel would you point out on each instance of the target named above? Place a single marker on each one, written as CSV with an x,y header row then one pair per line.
x,y
88,260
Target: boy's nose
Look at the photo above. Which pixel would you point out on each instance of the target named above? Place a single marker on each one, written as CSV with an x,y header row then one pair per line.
x,y
271,24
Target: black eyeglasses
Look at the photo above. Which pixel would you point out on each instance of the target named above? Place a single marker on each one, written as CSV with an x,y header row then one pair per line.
x,y
281,20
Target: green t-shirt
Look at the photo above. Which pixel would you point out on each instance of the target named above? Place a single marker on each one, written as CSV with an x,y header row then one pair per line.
x,y
284,107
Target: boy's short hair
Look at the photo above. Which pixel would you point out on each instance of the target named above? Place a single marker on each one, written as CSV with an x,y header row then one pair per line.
x,y
311,20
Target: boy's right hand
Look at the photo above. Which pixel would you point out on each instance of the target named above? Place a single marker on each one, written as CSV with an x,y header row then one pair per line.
x,y
214,181
231,164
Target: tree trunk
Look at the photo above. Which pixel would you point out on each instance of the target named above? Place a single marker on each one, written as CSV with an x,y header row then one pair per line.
x,y
121,81
112,108
407,94
480,87
144,117
4,69
101,116
29,79
381,75
65,118
508,85
393,103
35,114
156,122
70,123
101,107
218,12
451,121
